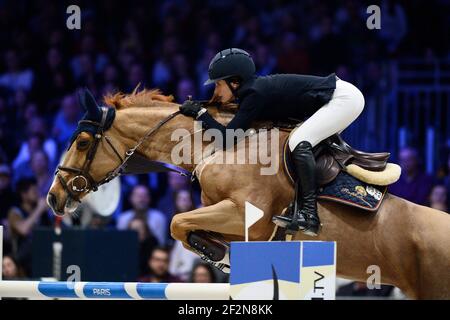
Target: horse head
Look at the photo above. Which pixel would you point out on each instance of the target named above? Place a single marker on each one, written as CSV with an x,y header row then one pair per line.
x,y
88,160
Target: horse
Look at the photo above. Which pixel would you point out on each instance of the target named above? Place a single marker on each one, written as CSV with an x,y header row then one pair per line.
x,y
408,242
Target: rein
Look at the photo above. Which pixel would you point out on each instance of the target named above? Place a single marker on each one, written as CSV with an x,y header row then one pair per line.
x,y
82,175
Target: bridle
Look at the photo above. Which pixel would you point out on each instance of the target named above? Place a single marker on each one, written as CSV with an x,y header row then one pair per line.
x,y
87,183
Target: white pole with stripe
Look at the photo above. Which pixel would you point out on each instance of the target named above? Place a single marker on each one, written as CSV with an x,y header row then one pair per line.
x,y
114,290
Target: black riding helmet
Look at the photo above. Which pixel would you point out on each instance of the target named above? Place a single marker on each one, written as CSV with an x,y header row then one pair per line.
x,y
232,62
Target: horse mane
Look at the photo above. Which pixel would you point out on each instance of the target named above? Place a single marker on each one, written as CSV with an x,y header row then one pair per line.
x,y
147,98
121,100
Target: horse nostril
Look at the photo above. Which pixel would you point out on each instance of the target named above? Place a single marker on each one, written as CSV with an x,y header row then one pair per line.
x,y
51,199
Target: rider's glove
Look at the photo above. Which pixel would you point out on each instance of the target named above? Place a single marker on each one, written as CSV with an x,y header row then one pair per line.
x,y
191,108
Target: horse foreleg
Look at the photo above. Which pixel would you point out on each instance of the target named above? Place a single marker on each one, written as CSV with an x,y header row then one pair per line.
x,y
222,217
192,229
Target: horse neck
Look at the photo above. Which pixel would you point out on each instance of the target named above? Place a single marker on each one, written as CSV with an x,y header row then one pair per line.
x,y
135,122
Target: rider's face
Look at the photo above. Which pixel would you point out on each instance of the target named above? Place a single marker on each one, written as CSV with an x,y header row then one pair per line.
x,y
222,92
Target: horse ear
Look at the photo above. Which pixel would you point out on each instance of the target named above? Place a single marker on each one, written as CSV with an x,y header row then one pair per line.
x,y
87,101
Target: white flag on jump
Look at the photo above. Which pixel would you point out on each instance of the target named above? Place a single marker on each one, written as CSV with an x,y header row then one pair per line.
x,y
252,215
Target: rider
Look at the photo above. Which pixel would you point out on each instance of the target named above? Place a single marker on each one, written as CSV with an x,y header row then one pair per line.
x,y
328,104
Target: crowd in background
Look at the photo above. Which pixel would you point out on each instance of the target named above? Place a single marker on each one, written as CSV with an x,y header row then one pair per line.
x,y
168,45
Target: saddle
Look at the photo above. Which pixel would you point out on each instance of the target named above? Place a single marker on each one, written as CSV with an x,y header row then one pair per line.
x,y
333,155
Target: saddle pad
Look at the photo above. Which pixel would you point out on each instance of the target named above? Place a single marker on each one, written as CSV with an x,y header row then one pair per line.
x,y
348,190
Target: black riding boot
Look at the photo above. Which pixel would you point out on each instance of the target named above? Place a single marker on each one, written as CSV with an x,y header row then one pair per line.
x,y
304,209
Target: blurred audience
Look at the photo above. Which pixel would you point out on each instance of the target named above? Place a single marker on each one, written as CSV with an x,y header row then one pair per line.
x,y
158,265
66,121
11,269
40,168
140,200
446,178
38,138
438,198
6,193
147,242
181,261
203,273
41,67
31,211
16,75
168,202
413,185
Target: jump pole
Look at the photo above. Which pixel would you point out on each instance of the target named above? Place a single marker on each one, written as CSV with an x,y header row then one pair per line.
x,y
115,290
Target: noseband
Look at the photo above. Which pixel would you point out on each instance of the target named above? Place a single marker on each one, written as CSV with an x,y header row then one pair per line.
x,y
83,181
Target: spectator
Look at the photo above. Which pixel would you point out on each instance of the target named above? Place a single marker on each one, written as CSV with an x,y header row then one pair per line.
x,y
162,73
181,261
447,177
438,198
180,66
22,166
20,101
53,79
201,70
6,194
293,59
37,139
11,269
98,221
111,75
16,77
89,61
136,77
158,265
31,211
413,185
203,273
265,60
185,88
66,121
147,242
395,24
8,136
177,182
183,202
140,200
40,168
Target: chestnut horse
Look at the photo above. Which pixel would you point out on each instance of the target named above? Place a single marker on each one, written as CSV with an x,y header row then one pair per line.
x,y
408,242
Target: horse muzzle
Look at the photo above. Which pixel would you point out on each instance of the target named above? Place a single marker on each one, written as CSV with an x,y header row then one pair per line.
x,y
60,208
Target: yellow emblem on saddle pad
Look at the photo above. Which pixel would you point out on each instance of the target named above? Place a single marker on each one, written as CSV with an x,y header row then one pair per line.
x,y
361,191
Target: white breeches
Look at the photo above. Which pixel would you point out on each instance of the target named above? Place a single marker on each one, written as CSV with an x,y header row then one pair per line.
x,y
344,107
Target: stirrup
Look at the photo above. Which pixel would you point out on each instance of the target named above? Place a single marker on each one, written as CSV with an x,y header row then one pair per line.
x,y
310,232
287,222
283,221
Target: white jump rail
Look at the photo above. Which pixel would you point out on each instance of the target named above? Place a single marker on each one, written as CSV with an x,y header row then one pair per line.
x,y
110,290
114,290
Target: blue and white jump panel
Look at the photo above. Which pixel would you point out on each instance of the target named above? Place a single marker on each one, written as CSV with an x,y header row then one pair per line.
x,y
294,270
114,290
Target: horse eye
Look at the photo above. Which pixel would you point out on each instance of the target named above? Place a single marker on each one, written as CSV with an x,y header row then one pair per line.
x,y
83,144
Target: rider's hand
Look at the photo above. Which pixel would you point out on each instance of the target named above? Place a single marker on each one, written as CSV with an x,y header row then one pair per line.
x,y
190,108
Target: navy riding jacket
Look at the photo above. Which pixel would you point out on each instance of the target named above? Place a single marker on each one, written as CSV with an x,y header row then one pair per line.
x,y
276,97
